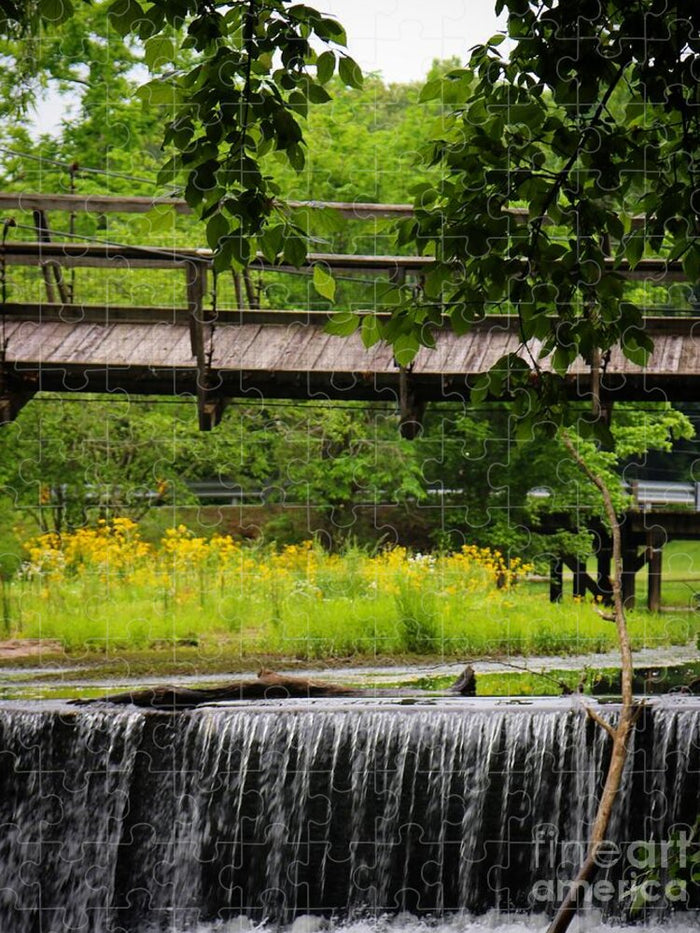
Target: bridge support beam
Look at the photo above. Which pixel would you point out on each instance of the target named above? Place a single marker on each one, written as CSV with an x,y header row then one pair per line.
x,y
603,576
630,566
11,404
655,542
556,580
210,409
580,577
411,408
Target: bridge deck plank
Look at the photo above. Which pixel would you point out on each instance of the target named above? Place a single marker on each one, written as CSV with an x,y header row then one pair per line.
x,y
232,345
295,347
294,359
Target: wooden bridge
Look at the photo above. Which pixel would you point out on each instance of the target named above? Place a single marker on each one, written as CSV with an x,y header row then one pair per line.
x,y
192,345
187,347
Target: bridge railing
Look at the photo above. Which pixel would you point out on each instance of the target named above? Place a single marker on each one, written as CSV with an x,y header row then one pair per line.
x,y
176,284
104,282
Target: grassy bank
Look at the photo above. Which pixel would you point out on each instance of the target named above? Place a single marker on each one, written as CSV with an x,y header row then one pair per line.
x,y
106,589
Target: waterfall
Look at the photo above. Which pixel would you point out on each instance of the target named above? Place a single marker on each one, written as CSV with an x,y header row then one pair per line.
x,y
114,820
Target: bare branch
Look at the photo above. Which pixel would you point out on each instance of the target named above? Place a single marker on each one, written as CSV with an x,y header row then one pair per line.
x,y
601,722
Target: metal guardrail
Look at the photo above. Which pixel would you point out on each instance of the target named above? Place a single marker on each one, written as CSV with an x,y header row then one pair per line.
x,y
649,493
219,492
646,493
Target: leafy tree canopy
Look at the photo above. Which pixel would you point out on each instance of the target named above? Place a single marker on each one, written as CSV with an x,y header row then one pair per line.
x,y
592,127
232,81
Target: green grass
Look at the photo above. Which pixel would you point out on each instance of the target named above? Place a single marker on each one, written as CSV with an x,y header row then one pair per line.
x,y
680,579
302,625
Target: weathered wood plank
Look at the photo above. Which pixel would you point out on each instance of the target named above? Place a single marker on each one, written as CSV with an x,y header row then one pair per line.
x,y
138,204
103,255
302,361
232,343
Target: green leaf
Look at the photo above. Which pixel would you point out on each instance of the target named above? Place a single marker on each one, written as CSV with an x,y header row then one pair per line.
x,y
371,330
125,15
479,389
325,67
350,72
390,297
634,248
158,92
298,103
562,359
343,324
287,129
240,249
159,219
217,228
636,346
636,110
324,283
296,157
294,250
318,94
461,318
431,90
331,29
158,51
55,11
271,242
435,280
327,220
223,260
405,348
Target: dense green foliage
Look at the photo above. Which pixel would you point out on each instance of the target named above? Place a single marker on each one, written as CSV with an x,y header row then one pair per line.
x,y
66,462
591,121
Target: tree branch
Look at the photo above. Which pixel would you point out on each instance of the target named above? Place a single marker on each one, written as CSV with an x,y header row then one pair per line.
x,y
571,161
601,722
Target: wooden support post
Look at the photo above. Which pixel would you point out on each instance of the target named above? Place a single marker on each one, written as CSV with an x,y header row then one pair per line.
x,y
411,408
43,234
556,580
238,289
630,566
603,575
253,301
12,401
207,409
579,569
655,542
50,294
397,276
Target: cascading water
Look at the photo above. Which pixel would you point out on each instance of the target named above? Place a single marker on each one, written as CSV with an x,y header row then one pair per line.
x,y
116,820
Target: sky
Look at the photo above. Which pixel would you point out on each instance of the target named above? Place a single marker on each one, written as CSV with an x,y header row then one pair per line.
x,y
399,38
